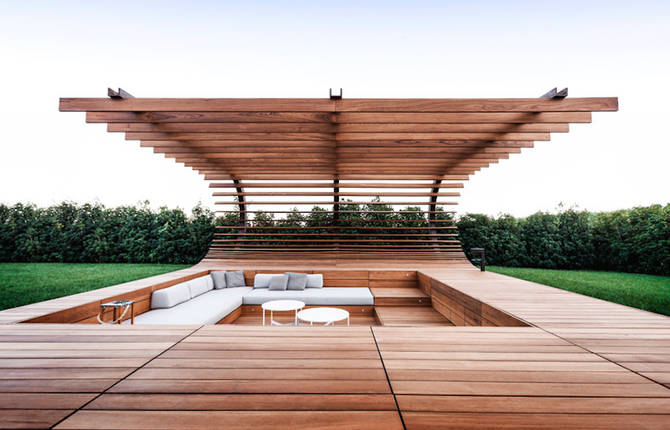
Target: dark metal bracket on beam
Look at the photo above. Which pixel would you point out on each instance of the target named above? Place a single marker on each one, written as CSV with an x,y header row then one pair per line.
x,y
555,94
335,96
120,94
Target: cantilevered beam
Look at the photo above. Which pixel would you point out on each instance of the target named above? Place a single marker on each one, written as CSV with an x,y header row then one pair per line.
x,y
346,105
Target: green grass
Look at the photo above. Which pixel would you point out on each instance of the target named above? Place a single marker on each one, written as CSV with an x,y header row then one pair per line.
x,y
651,293
25,283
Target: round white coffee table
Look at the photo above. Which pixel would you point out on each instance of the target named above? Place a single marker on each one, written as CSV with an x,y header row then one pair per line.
x,y
282,306
325,316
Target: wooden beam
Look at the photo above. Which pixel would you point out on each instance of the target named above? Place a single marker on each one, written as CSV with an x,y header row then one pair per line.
x,y
292,127
340,185
344,117
347,105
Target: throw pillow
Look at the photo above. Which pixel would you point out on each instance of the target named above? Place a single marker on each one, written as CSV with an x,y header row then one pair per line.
x,y
315,281
235,279
296,281
262,280
219,279
279,283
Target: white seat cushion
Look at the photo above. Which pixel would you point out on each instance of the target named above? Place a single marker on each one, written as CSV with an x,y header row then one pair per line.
x,y
314,296
207,308
170,296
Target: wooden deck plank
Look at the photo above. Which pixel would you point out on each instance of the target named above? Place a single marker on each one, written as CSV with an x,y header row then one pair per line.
x,y
31,418
223,386
429,420
382,420
235,402
553,404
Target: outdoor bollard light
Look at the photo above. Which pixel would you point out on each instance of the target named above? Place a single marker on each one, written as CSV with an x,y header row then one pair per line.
x,y
482,257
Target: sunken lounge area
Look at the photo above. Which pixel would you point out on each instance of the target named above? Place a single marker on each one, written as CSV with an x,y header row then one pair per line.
x,y
421,338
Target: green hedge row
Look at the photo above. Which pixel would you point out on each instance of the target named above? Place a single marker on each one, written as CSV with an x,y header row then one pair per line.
x,y
88,233
631,240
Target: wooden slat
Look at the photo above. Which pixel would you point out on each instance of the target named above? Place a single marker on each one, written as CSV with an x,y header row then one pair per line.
x,y
311,117
345,105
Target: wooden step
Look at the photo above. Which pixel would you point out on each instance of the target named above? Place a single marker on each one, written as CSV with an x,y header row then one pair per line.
x,y
409,316
399,296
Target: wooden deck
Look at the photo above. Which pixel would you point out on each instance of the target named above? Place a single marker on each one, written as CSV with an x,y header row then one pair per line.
x,y
84,376
579,363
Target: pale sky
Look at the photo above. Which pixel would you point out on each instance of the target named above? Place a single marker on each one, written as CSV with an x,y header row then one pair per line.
x,y
371,49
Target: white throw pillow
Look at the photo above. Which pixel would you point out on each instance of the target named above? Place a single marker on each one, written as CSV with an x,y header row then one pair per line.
x,y
315,281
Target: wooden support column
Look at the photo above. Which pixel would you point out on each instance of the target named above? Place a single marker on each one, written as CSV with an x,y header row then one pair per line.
x,y
243,209
336,208
432,216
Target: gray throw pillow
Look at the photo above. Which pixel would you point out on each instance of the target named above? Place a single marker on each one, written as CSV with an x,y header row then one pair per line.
x,y
296,281
219,279
279,283
235,279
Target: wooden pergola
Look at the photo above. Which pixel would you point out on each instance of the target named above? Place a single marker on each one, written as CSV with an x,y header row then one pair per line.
x,y
329,152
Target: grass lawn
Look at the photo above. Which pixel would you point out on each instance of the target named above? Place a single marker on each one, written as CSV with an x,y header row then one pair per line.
x,y
651,293
24,283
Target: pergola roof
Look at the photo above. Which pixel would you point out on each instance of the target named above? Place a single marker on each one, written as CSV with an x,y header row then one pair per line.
x,y
422,145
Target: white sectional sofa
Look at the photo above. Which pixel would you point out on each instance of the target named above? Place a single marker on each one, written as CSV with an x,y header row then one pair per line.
x,y
204,301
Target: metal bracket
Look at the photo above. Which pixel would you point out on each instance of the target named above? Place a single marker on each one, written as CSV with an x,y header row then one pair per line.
x,y
120,94
335,96
555,94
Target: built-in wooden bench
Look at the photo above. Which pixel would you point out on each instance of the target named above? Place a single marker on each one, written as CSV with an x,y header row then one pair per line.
x,y
463,310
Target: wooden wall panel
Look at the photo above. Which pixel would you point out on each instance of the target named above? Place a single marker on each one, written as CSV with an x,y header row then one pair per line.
x,y
464,310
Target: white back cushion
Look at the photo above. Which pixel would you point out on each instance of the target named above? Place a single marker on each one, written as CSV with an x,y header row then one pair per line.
x,y
170,296
262,280
200,285
315,281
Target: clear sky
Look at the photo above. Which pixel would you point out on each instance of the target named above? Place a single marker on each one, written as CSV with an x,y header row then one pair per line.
x,y
371,49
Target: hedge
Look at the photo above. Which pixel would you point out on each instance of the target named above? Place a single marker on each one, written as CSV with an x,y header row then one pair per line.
x,y
91,233
632,240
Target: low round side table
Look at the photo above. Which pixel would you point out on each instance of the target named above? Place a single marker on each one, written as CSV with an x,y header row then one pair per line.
x,y
282,306
325,316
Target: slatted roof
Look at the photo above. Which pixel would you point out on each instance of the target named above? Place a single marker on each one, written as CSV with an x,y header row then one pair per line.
x,y
329,152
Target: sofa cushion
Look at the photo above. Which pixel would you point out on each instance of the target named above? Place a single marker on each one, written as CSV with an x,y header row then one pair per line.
x,y
296,281
278,283
208,308
200,285
315,281
235,279
170,296
314,296
262,280
219,278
